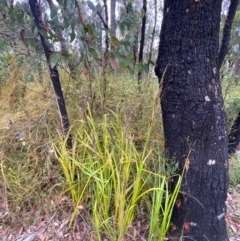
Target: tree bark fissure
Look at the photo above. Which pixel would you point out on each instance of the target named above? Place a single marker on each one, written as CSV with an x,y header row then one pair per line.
x,y
36,11
194,119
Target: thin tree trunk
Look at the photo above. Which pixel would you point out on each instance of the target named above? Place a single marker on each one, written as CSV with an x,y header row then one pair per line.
x,y
153,33
135,50
105,57
36,12
194,119
227,30
105,60
40,73
80,15
113,31
113,17
234,134
140,57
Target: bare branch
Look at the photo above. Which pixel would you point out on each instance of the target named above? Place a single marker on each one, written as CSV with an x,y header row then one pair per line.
x,y
8,35
103,22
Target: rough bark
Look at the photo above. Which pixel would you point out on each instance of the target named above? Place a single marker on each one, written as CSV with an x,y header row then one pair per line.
x,y
36,12
140,57
194,119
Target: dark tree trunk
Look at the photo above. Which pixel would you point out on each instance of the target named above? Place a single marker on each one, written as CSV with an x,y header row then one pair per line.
x,y
140,58
234,136
227,30
36,12
194,118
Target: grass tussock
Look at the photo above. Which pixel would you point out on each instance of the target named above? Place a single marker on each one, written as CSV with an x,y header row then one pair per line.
x,y
106,166
234,171
112,175
115,178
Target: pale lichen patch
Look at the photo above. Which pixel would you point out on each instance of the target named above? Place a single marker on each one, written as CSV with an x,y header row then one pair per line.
x,y
214,70
193,224
207,98
219,217
211,162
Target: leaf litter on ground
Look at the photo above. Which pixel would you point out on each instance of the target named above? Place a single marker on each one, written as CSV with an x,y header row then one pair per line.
x,y
56,229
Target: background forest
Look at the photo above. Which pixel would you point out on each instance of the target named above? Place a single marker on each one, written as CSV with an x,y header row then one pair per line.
x,y
114,183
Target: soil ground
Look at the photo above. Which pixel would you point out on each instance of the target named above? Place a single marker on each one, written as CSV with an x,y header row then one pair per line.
x,y
55,227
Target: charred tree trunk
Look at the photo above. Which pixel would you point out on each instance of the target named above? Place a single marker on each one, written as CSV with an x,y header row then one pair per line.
x,y
194,119
234,136
140,58
36,12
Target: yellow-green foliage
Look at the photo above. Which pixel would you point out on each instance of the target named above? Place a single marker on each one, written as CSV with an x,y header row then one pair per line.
x,y
109,175
234,171
115,168
31,174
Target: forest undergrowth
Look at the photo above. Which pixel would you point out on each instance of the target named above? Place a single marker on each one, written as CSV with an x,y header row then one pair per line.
x,y
114,184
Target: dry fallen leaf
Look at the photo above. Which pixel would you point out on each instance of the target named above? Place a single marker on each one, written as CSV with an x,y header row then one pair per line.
x,y
178,203
187,162
187,226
